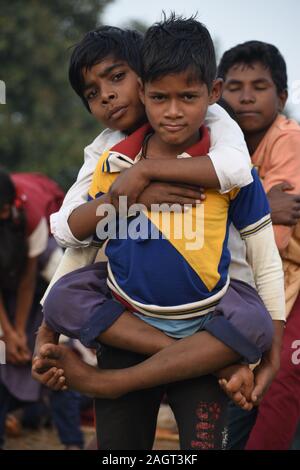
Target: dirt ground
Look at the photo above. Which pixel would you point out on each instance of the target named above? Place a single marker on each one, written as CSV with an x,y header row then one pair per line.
x,y
47,439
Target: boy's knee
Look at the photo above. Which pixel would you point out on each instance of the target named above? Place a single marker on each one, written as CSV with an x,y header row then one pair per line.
x,y
54,296
259,327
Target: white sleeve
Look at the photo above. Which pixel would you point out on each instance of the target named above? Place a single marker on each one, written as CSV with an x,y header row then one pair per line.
x,y
263,256
38,240
71,260
228,150
77,194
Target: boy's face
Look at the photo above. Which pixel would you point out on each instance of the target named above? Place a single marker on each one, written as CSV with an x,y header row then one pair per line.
x,y
176,107
111,90
252,94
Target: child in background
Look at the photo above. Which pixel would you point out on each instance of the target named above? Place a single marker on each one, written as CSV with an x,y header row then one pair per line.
x,y
255,87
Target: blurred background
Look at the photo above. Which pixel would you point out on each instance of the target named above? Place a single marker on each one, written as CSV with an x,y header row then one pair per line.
x,y
44,126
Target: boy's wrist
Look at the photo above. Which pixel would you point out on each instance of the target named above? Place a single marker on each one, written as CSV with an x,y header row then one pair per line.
x,y
146,169
106,199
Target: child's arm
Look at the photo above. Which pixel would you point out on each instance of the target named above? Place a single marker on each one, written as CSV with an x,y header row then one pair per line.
x,y
264,258
227,166
77,194
228,150
25,295
285,207
284,165
250,214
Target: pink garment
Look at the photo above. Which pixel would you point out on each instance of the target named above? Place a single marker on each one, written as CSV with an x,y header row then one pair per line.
x,y
40,197
277,159
279,412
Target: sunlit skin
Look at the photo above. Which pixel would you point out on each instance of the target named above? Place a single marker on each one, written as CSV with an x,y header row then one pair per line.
x,y
111,90
252,94
176,107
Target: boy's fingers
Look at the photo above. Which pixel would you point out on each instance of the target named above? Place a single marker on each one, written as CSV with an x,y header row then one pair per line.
x,y
239,398
257,393
188,193
48,351
248,406
222,383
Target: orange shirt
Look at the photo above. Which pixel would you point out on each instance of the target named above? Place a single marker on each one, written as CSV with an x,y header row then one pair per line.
x,y
277,159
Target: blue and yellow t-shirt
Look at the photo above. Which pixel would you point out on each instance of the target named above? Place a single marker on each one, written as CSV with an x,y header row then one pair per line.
x,y
165,273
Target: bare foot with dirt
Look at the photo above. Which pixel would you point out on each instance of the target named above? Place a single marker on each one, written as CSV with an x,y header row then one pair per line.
x,y
79,375
49,376
237,381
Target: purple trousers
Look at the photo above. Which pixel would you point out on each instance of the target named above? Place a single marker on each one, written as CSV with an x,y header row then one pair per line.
x,y
80,305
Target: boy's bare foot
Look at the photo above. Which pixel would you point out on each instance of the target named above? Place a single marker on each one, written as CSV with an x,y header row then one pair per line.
x,y
51,377
79,375
237,381
44,335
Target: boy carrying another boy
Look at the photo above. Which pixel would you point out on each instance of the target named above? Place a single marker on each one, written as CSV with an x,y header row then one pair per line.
x,y
179,298
103,71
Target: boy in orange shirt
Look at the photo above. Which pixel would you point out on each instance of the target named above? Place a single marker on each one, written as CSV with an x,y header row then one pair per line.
x,y
256,89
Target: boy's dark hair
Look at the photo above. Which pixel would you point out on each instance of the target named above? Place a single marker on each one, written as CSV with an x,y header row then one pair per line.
x,y
175,45
256,51
13,247
122,44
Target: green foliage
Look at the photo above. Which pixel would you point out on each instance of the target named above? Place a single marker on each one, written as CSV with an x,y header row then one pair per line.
x,y
44,126
137,24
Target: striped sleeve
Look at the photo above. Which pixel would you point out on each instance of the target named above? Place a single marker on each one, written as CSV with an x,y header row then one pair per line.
x,y
249,209
263,257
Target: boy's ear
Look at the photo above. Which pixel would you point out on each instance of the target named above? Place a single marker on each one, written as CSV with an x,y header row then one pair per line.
x,y
216,91
141,90
282,98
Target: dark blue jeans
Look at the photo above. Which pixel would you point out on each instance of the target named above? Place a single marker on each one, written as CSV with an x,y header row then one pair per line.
x,y
8,403
65,408
129,422
240,424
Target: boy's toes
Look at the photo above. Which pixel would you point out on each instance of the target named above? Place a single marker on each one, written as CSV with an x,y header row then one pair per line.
x,y
238,398
234,384
44,365
247,406
50,351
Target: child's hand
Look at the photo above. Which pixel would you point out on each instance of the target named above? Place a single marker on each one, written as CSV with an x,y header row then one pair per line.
x,y
16,348
130,183
264,373
171,193
285,207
